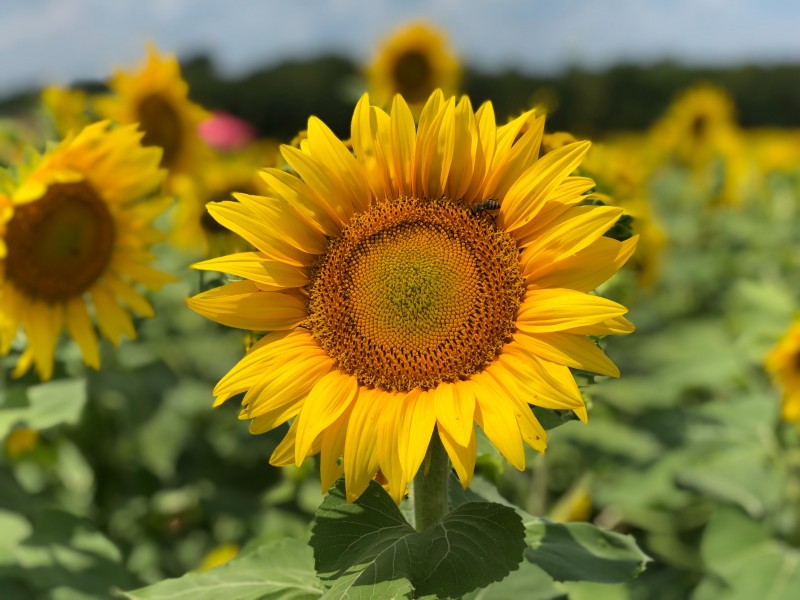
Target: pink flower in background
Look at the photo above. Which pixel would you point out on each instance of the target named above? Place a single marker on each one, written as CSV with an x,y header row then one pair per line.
x,y
224,131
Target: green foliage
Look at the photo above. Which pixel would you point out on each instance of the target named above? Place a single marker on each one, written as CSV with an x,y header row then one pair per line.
x,y
281,570
43,405
58,556
582,552
367,549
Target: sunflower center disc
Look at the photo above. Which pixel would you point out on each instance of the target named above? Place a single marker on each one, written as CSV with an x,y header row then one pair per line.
x,y
414,293
161,126
59,244
413,76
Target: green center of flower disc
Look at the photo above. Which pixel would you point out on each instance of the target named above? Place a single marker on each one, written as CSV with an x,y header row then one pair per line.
x,y
413,76
161,126
59,244
414,293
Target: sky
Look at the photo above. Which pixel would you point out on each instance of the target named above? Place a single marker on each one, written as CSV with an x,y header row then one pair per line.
x,y
60,41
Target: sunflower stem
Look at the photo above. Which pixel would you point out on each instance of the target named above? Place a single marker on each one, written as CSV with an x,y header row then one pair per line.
x,y
430,489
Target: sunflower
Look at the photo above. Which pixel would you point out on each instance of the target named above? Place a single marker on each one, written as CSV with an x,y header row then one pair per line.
x,y
413,62
156,97
68,108
784,365
698,126
436,277
76,232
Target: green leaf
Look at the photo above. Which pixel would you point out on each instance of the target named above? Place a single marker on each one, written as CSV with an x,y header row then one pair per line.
x,y
728,533
528,582
278,571
45,405
582,552
65,551
368,550
767,570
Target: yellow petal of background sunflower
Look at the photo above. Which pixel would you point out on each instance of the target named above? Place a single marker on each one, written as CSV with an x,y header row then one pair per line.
x,y
113,320
43,326
81,330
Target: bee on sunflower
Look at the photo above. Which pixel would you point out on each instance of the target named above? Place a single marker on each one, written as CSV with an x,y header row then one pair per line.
x,y
397,313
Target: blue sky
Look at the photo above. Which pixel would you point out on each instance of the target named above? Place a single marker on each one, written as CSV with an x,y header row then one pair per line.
x,y
45,41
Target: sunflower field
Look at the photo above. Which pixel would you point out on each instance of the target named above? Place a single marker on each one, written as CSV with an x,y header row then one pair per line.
x,y
420,344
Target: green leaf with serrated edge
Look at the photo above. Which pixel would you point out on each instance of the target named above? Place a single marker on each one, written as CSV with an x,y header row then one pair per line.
x,y
358,546
582,552
278,571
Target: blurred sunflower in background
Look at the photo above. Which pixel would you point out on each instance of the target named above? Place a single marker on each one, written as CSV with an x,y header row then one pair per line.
x,y
621,172
156,97
69,110
783,363
75,243
428,281
697,126
413,61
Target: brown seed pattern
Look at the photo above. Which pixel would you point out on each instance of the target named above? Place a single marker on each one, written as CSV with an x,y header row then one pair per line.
x,y
414,293
59,244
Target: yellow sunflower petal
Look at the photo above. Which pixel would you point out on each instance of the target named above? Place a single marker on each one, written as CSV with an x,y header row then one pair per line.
x,y
498,420
388,426
419,419
462,457
331,467
43,332
327,400
576,229
238,219
455,410
588,268
269,274
283,346
82,331
568,349
283,389
242,304
557,309
403,144
360,448
113,320
528,194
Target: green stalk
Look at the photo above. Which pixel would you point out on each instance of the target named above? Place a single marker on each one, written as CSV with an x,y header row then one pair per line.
x,y
430,489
